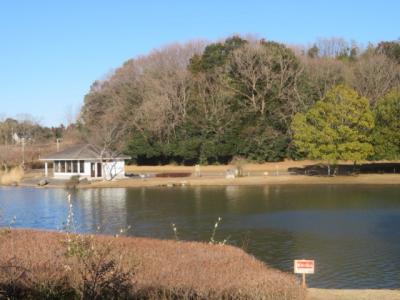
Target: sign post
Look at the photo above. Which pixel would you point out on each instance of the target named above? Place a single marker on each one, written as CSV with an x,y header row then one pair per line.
x,y
304,266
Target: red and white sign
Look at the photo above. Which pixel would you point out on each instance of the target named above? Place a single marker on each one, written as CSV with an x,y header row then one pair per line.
x,y
303,266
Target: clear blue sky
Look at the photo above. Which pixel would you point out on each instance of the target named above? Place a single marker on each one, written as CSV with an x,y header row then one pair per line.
x,y
51,51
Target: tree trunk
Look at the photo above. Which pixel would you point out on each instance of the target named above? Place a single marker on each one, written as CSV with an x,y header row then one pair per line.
x,y
329,170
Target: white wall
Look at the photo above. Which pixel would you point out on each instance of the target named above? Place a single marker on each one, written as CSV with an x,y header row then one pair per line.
x,y
87,169
111,170
114,170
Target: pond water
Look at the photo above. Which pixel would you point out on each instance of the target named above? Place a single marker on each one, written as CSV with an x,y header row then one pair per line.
x,y
353,232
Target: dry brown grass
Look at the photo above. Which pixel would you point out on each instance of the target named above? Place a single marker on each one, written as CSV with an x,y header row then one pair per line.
x,y
11,176
36,261
247,167
249,181
281,166
13,155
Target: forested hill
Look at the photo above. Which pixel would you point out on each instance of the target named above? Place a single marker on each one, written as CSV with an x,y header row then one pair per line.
x,y
208,103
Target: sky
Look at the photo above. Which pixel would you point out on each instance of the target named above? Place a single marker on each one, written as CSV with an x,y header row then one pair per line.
x,y
52,51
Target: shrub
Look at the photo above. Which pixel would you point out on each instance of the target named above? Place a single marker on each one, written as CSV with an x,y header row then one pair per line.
x,y
72,182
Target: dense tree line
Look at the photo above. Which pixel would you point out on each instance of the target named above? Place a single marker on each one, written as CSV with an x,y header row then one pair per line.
x,y
209,103
27,129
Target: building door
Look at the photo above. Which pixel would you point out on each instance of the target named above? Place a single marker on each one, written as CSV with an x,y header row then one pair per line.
x,y
99,169
92,170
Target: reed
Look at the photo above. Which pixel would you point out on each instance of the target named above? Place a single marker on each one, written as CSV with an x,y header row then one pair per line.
x,y
12,176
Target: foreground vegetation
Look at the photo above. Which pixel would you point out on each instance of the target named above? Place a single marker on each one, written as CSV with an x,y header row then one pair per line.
x,y
50,265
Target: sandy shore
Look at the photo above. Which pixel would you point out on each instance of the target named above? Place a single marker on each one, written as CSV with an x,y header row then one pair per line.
x,y
248,181
333,294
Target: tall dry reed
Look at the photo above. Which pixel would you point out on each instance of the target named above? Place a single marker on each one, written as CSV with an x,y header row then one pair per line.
x,y
11,176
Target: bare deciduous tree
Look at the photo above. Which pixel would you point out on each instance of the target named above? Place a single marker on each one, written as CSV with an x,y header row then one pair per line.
x,y
323,73
213,105
332,47
166,88
265,73
374,76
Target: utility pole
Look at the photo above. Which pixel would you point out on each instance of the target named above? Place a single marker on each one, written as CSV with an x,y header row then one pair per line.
x,y
58,144
23,151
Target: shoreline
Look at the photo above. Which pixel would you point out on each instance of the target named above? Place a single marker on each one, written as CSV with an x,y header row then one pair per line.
x,y
373,179
215,180
273,173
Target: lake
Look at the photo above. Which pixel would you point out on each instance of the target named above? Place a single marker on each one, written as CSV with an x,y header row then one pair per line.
x,y
353,232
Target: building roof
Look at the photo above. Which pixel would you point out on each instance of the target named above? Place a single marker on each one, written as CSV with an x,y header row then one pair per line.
x,y
83,152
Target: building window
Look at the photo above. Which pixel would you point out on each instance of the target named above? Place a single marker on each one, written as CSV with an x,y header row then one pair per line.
x,y
81,166
62,166
74,166
69,165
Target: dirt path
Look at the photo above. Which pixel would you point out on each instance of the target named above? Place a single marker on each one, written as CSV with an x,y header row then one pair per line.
x,y
332,294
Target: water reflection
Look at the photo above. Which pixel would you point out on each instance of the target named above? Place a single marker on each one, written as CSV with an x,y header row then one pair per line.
x,y
351,231
101,208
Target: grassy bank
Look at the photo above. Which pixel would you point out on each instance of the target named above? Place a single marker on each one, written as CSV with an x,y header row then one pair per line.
x,y
286,172
382,179
274,168
56,265
253,174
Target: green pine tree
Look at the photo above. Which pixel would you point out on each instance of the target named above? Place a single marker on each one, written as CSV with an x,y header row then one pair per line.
x,y
336,128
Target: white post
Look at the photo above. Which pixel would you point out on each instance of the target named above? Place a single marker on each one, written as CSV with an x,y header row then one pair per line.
x,y
23,151
58,144
46,172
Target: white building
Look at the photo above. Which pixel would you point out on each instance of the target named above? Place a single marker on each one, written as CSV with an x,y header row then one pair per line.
x,y
87,161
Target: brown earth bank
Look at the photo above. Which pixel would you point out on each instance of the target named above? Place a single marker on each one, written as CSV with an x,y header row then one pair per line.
x,y
369,294
248,181
247,167
286,172
39,264
286,165
298,166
